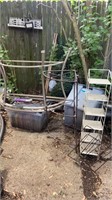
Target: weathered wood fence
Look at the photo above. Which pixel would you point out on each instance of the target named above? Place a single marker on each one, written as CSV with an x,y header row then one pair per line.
x,y
27,44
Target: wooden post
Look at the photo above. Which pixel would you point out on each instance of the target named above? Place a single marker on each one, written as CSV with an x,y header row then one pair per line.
x,y
48,79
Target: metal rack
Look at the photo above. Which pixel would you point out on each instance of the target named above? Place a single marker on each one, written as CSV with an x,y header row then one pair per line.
x,y
94,118
59,76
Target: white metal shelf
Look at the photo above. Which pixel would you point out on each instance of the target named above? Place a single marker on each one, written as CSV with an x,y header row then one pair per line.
x,y
92,128
93,138
97,81
89,149
96,97
99,112
92,124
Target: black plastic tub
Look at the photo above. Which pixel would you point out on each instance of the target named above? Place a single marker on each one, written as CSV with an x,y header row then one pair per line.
x,y
32,121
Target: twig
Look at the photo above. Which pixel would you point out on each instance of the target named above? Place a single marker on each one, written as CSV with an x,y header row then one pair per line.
x,y
56,16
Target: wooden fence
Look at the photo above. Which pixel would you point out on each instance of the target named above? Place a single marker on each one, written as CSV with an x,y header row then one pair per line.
x,y
27,44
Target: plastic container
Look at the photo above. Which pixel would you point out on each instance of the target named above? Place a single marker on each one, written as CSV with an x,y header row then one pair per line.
x,y
33,121
69,105
52,84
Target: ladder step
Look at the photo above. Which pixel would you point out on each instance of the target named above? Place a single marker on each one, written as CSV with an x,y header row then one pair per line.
x,y
94,111
93,138
89,149
92,124
97,81
96,97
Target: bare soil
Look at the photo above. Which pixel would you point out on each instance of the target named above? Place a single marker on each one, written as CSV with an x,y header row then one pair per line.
x,y
36,166
45,166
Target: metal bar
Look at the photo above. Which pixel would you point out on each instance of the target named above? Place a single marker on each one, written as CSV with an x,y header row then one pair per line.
x,y
42,76
76,97
32,66
2,70
103,163
30,61
74,105
37,96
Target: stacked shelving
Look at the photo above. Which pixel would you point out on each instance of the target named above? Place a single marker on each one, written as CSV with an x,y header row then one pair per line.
x,y
94,118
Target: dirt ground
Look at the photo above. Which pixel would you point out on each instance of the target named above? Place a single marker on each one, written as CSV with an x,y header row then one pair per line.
x,y
45,166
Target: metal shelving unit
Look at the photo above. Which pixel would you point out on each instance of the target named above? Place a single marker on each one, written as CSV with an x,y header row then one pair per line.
x,y
94,118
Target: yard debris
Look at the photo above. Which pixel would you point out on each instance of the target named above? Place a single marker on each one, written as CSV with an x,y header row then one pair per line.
x,y
11,196
94,193
1,150
7,156
51,159
62,193
50,176
55,194
24,192
48,184
91,180
84,198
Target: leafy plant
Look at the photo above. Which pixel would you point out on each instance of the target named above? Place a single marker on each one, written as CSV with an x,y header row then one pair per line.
x,y
1,82
94,30
11,78
11,82
57,90
3,51
56,53
74,61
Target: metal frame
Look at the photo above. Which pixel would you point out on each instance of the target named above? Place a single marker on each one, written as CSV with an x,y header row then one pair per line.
x,y
39,64
106,75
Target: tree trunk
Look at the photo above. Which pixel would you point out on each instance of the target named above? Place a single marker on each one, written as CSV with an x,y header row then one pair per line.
x,y
77,35
108,53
